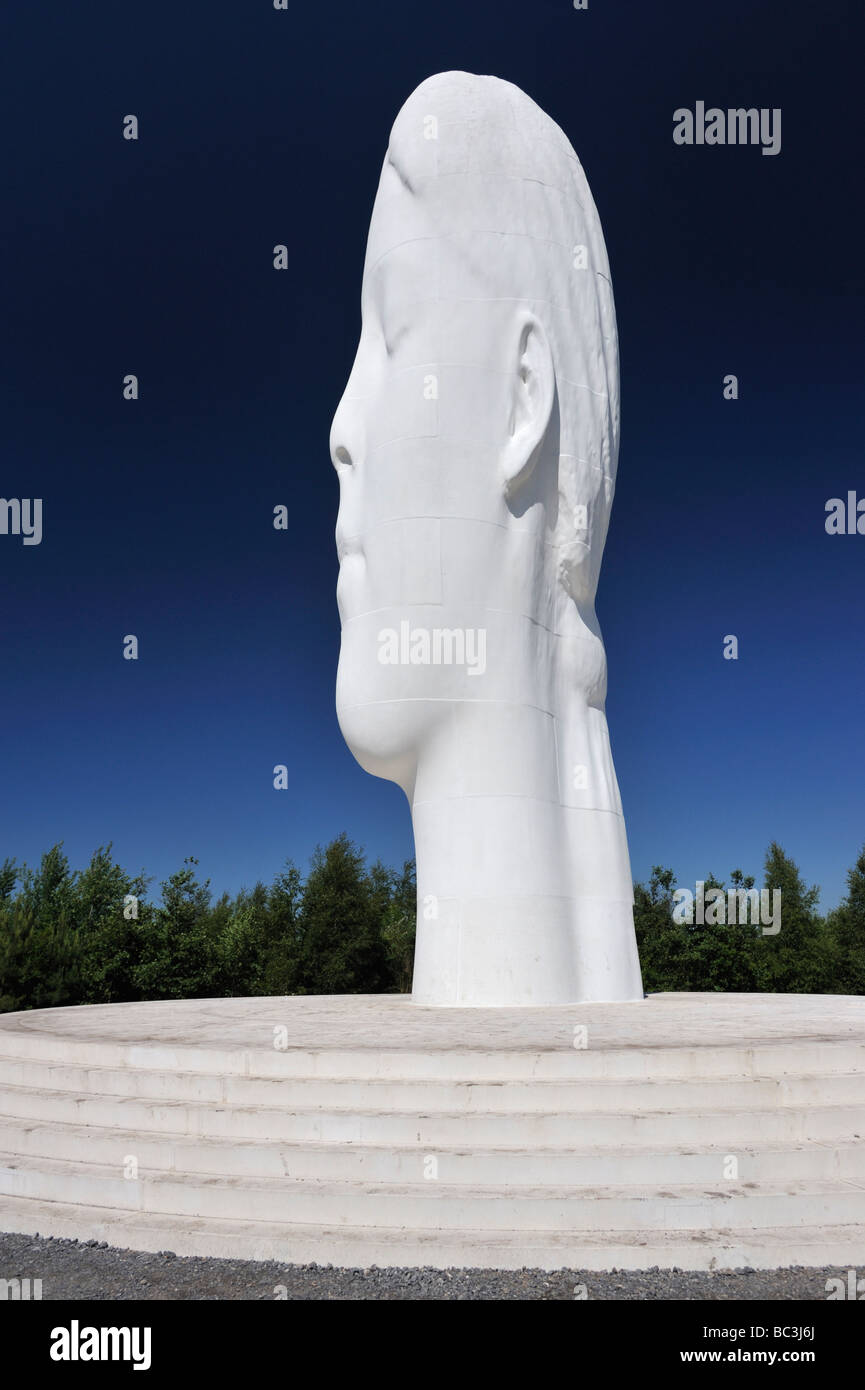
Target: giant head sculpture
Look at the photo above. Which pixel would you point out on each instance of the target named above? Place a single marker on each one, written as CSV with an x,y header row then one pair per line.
x,y
476,446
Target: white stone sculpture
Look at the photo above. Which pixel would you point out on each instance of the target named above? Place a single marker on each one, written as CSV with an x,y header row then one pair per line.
x,y
476,447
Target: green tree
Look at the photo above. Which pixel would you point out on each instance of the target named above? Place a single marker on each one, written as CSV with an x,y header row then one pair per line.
x,y
398,925
342,951
700,957
281,972
38,959
846,927
725,956
242,931
8,878
797,960
110,916
49,891
178,952
39,948
661,942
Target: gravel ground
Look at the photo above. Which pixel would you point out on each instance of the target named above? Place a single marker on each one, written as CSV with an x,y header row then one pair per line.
x,y
71,1269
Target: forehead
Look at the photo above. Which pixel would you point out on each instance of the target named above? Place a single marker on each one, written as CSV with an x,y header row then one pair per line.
x,y
403,244
459,237
473,206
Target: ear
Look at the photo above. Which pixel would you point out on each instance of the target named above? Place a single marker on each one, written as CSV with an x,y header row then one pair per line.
x,y
531,396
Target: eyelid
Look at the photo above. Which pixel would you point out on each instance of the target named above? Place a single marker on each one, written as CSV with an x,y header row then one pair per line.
x,y
393,343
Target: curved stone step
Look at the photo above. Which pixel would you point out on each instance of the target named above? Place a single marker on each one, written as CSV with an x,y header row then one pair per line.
x,y
597,1096
438,1129
565,1063
578,1095
378,1036
361,1247
427,1205
509,1167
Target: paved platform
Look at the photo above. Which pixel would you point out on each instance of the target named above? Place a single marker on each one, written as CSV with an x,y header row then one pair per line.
x,y
702,1131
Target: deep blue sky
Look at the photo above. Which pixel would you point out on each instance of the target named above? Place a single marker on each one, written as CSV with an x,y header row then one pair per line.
x,y
154,257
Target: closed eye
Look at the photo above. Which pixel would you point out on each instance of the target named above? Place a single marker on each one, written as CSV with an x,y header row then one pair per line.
x,y
393,341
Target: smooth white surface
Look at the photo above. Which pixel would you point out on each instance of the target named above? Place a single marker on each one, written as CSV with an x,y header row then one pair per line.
x,y
480,416
616,1154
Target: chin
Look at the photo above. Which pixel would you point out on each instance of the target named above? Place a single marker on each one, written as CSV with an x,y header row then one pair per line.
x,y
381,733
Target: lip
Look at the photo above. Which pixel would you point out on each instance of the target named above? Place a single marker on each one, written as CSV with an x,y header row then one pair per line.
x,y
350,584
347,546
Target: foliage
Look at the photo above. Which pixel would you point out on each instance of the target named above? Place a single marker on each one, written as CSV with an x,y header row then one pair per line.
x,y
94,937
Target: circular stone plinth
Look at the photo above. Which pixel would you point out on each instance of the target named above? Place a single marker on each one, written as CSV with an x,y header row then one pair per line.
x,y
698,1131
393,1022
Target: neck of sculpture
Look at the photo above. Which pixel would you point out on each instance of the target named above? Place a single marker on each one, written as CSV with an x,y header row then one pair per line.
x,y
524,889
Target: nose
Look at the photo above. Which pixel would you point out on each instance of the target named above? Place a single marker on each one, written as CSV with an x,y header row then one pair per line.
x,y
340,455
345,453
345,435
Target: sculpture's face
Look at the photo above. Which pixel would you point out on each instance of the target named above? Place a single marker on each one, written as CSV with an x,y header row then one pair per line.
x,y
415,444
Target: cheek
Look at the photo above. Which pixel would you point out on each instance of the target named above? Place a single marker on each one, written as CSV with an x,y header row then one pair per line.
x,y
402,404
398,572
